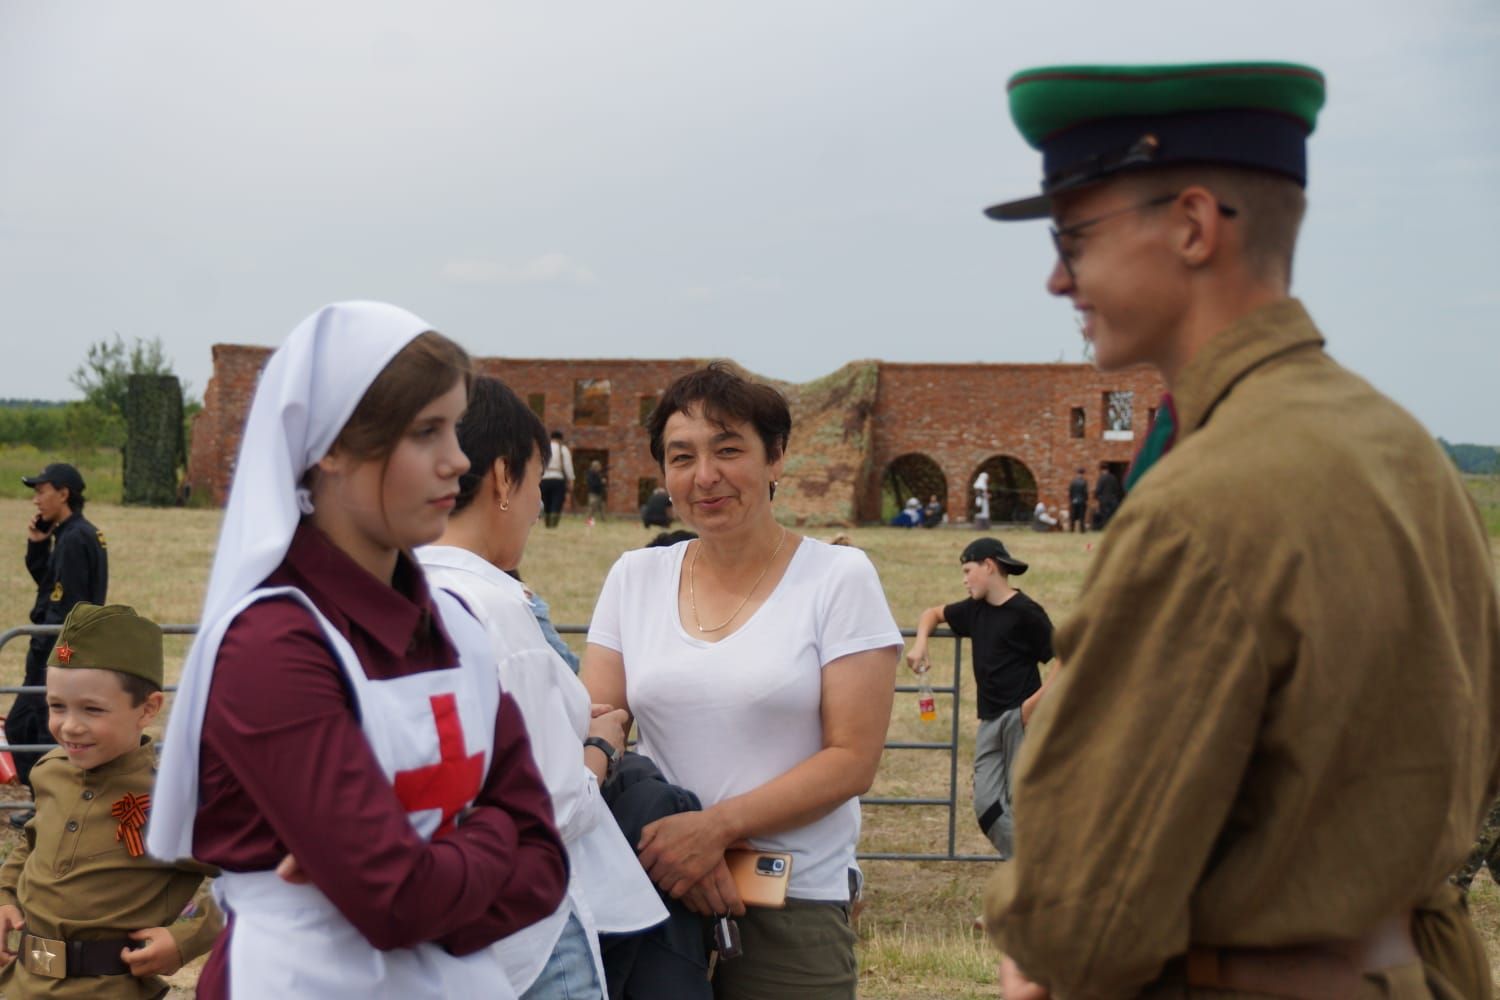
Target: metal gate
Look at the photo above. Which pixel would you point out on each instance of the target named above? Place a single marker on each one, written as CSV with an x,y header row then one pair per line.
x,y
950,747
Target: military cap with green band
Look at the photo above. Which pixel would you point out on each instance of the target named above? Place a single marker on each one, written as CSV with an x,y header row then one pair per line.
x,y
112,637
1091,123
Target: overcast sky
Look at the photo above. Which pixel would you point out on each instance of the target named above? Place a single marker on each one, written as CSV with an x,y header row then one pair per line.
x,y
791,184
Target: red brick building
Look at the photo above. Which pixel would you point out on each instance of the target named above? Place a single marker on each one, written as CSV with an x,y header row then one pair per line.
x,y
863,439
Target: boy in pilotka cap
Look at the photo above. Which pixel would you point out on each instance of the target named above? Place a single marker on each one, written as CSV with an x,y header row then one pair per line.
x,y
95,914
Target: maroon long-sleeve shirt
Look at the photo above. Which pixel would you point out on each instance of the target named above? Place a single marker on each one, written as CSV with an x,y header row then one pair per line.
x,y
285,769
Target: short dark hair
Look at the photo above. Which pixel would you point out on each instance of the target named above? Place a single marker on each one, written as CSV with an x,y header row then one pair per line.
x,y
134,685
557,435
725,393
137,687
75,499
496,426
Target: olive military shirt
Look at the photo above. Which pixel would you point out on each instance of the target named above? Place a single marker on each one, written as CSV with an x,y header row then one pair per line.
x,y
74,881
1276,716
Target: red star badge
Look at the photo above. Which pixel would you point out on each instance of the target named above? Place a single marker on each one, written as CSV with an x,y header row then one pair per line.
x,y
64,652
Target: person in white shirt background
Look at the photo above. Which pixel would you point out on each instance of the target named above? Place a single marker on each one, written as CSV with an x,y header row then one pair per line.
x,y
499,499
557,478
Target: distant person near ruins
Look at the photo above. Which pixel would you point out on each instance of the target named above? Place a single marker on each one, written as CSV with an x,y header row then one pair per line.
x,y
1078,503
557,479
1108,492
982,502
932,514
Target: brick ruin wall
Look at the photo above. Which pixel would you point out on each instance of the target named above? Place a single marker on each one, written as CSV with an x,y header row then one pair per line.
x,y
848,427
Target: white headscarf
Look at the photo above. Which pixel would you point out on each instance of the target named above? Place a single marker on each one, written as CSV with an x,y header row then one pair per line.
x,y
307,393
982,481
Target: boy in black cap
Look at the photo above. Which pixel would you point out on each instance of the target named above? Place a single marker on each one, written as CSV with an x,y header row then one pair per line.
x,y
1010,636
97,916
1250,776
65,555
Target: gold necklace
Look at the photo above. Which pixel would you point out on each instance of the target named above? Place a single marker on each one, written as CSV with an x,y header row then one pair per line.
x,y
693,595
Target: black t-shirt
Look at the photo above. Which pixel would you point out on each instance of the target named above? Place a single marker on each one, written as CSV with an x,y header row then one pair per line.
x,y
1009,641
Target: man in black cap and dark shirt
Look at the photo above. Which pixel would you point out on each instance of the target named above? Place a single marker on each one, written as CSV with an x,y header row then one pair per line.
x,y
66,557
1011,635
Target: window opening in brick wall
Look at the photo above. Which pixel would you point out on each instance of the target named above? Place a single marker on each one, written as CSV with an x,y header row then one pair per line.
x,y
591,402
648,404
1077,422
538,403
1119,415
910,476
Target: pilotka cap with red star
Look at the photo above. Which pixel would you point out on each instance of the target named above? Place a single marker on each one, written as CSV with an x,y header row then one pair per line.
x,y
112,637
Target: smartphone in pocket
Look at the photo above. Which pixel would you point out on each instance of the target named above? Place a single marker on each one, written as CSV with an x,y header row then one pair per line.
x,y
760,877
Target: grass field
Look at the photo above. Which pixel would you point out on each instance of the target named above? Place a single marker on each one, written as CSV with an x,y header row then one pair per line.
x,y
915,933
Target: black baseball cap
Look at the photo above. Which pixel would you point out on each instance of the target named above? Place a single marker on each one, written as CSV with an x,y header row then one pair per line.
x,y
992,548
61,475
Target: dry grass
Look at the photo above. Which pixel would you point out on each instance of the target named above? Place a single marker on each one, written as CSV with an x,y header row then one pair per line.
x,y
916,936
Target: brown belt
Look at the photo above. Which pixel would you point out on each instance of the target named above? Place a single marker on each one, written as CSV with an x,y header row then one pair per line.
x,y
56,959
1305,972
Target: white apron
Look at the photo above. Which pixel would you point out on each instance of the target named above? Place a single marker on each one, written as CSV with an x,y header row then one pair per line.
x,y
290,941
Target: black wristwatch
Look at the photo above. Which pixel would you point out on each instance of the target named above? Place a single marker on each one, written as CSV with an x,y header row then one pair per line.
x,y
611,754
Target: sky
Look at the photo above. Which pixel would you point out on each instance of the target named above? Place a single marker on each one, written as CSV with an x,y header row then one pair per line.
x,y
794,185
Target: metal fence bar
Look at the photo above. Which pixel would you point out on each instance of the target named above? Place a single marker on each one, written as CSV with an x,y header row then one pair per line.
x,y
951,746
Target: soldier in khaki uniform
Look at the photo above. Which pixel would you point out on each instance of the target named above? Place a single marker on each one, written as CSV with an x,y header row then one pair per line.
x,y
1272,732
96,916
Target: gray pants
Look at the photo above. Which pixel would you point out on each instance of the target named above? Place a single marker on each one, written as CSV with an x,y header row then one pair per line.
x,y
995,749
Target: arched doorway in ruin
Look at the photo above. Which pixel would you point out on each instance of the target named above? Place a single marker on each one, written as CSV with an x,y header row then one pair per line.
x,y
911,475
1012,489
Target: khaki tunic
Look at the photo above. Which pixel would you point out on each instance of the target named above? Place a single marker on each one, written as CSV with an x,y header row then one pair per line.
x,y
1275,720
73,880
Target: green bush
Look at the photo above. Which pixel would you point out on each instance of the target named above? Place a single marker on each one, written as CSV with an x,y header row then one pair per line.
x,y
41,426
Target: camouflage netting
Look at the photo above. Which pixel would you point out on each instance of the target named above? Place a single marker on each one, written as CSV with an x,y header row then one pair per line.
x,y
154,446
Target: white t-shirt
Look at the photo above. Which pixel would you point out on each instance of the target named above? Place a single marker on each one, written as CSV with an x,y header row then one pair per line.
x,y
559,462
722,718
607,887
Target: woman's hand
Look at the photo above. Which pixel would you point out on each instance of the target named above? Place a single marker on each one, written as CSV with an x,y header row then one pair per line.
x,y
715,894
610,727
678,851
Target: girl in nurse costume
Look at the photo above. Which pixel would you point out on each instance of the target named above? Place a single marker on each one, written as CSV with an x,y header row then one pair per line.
x,y
335,710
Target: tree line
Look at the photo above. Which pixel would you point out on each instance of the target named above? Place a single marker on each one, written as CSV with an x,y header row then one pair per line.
x,y
98,419
1475,459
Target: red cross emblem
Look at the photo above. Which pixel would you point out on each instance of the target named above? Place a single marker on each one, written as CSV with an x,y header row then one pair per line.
x,y
450,784
64,652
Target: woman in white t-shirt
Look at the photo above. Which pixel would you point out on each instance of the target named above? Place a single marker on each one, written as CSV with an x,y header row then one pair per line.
x,y
498,501
760,667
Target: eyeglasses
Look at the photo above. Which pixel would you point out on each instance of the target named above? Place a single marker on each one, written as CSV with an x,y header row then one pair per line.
x,y
1068,252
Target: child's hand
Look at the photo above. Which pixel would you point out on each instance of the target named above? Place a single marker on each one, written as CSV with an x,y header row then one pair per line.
x,y
11,919
916,658
160,957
